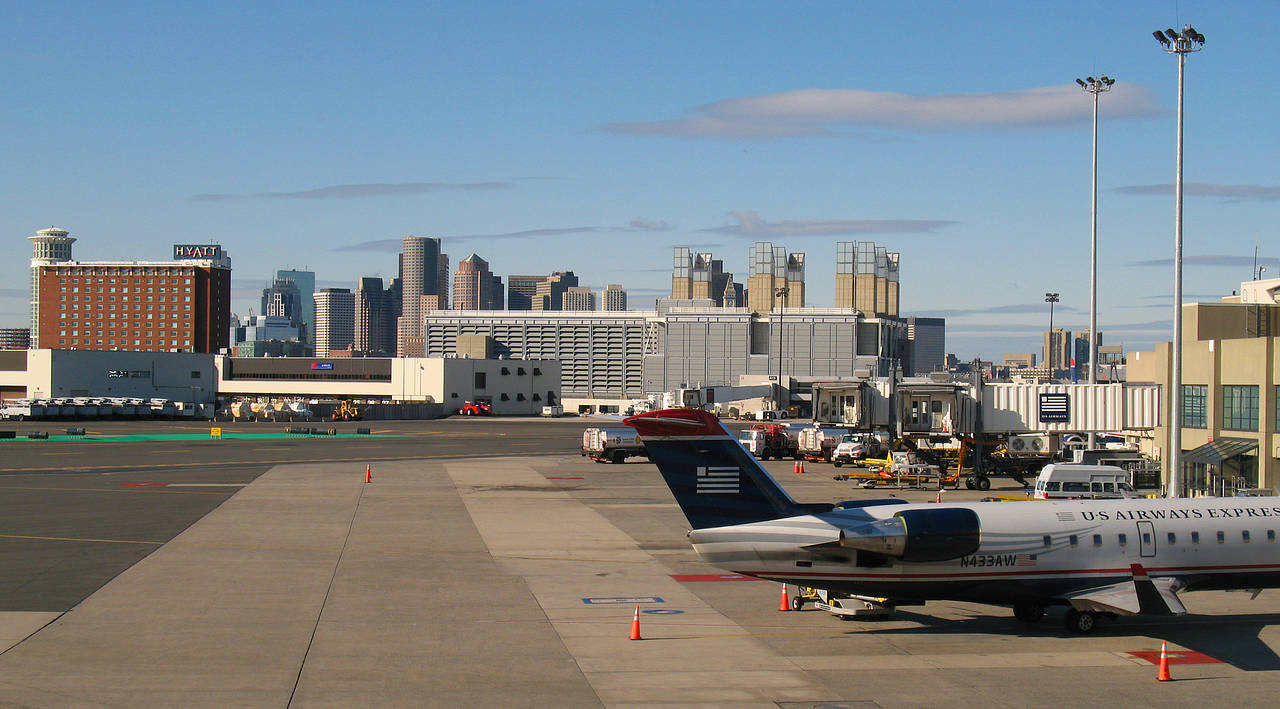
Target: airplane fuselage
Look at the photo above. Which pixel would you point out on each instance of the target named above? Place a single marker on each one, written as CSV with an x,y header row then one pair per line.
x,y
1025,550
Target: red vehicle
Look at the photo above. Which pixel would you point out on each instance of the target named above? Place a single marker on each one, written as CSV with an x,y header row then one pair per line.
x,y
476,408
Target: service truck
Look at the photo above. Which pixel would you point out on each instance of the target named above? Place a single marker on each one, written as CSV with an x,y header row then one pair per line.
x,y
766,440
819,443
854,448
611,445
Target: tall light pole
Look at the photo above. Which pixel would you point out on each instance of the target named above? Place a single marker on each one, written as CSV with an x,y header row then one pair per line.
x,y
1094,86
1180,44
781,295
1050,298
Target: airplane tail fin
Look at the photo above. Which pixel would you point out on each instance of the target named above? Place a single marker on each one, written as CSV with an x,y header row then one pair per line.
x,y
715,481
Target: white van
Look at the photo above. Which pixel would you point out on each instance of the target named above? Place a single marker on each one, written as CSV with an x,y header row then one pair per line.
x,y
1059,481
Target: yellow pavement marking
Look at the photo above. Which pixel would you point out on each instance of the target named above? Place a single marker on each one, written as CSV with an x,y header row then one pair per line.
x,y
80,539
118,489
254,461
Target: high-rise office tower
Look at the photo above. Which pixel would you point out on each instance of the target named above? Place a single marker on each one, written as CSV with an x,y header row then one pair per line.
x,y
306,283
771,269
371,319
419,276
867,278
1057,349
1082,347
442,285
335,320
475,287
521,290
614,297
928,343
578,298
283,299
549,293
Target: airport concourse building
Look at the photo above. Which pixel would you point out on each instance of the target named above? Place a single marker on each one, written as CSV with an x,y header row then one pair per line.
x,y
54,374
610,358
513,387
1230,386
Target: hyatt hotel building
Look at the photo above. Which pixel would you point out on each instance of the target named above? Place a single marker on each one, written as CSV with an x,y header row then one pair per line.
x,y
182,305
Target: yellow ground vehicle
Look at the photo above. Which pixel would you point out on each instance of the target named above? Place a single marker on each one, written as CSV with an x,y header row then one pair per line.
x,y
346,411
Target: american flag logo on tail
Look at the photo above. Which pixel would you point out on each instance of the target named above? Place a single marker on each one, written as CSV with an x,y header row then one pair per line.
x,y
717,480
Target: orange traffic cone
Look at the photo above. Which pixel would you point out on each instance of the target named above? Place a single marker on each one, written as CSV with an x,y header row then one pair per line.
x,y
795,467
635,625
783,605
939,500
368,473
1163,674
802,467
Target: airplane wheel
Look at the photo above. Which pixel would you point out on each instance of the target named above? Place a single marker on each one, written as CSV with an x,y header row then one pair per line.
x,y
983,484
837,463
968,483
1028,611
797,603
1081,622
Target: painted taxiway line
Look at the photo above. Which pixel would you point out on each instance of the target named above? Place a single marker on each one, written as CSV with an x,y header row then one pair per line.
x,y
80,539
960,661
225,463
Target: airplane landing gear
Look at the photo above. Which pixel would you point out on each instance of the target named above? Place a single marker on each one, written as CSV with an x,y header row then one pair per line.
x,y
1081,622
1028,611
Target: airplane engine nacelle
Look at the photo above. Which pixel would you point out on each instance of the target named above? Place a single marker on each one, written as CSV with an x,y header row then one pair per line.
x,y
937,534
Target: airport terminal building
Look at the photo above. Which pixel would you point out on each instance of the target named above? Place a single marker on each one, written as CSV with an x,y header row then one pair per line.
x,y
608,358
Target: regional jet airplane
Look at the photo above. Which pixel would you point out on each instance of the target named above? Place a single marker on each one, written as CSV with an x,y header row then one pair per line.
x,y
1100,558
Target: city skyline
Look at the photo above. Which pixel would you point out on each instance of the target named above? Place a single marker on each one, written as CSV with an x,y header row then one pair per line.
x,y
965,149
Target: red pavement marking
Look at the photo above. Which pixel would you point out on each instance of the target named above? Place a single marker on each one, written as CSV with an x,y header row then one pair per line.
x,y
711,577
1178,657
144,484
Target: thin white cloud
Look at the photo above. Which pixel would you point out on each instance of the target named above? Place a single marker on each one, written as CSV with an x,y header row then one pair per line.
x,y
639,224
360,190
750,224
1216,260
1230,193
1014,309
826,112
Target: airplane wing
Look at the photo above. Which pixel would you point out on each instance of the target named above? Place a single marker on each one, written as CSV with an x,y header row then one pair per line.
x,y
1142,594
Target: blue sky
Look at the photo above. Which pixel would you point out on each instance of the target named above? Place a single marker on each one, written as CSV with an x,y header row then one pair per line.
x,y
595,136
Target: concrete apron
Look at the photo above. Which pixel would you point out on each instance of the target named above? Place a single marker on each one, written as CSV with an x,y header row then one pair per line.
x,y
565,552
306,588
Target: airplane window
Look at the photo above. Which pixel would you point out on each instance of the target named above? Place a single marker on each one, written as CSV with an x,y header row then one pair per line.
x,y
1222,537
1195,537
1146,537
1123,540
1244,536
1075,541
1173,538
1271,535
1097,540
1048,540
